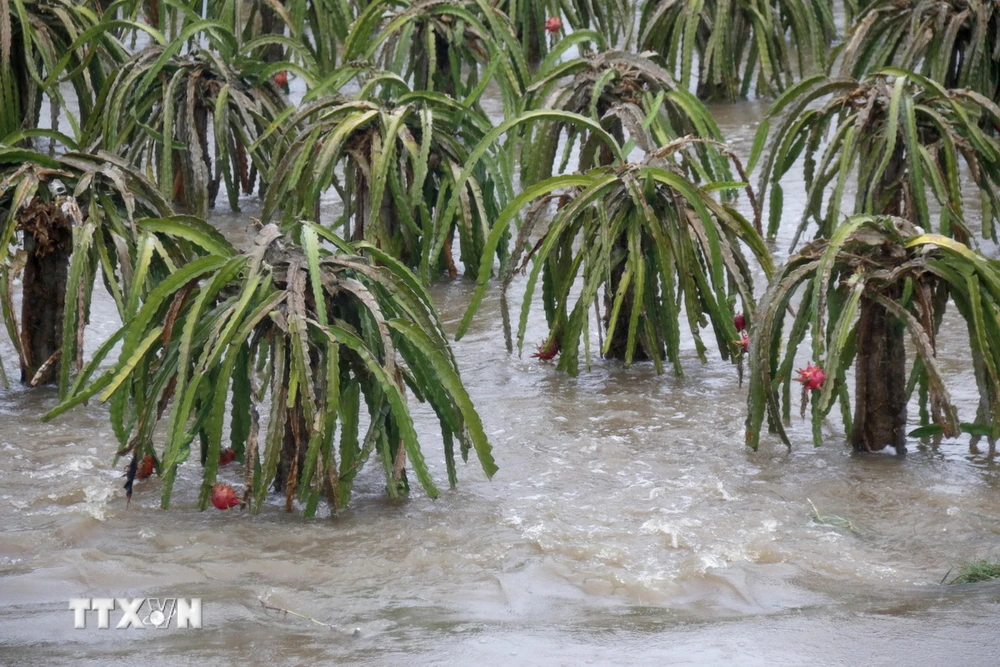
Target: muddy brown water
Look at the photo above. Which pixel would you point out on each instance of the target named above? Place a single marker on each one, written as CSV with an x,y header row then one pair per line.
x,y
627,525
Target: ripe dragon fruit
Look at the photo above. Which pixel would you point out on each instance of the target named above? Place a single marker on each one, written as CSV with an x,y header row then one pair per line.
x,y
224,497
811,377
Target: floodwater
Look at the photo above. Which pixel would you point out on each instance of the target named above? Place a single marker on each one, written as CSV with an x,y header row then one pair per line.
x,y
628,525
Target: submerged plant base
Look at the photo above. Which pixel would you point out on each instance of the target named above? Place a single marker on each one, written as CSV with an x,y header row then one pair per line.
x,y
977,571
333,339
880,408
48,240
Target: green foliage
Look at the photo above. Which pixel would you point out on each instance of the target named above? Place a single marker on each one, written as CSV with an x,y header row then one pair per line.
x,y
104,199
902,137
740,45
953,42
200,99
443,46
305,333
331,337
316,29
977,571
610,20
45,42
626,93
400,162
308,32
657,245
912,276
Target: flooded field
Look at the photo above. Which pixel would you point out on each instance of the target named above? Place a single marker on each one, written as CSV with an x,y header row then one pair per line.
x,y
628,525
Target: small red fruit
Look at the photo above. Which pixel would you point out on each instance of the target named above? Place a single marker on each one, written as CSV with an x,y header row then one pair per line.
x,y
553,24
145,468
743,343
547,351
811,377
281,78
226,456
739,322
224,497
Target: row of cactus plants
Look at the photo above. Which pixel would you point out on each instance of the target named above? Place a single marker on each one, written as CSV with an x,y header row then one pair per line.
x,y
390,120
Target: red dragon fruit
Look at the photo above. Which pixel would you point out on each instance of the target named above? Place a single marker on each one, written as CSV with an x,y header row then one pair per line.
x,y
811,377
224,497
145,468
226,456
